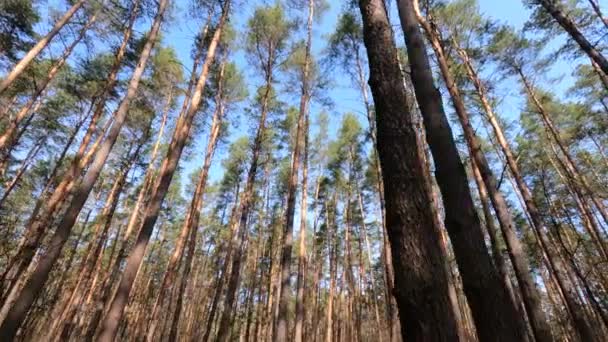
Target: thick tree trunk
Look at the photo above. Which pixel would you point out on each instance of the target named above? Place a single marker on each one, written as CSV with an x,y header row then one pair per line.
x,y
421,282
389,276
479,275
530,293
40,45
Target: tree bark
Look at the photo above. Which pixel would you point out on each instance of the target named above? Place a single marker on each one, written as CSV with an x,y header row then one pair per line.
x,y
40,45
36,281
480,277
570,27
530,293
421,282
180,136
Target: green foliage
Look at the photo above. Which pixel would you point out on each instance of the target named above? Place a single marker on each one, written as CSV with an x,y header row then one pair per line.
x,y
17,19
167,70
267,35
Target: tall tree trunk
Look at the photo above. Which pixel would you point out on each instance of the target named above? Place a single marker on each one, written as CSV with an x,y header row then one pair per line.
x,y
570,27
302,260
37,225
65,321
479,275
530,205
389,275
292,187
192,218
245,207
499,261
582,185
421,282
36,281
531,296
180,136
8,137
331,251
40,45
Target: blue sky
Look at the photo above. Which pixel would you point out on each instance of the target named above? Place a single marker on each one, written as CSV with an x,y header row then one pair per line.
x,y
180,33
180,30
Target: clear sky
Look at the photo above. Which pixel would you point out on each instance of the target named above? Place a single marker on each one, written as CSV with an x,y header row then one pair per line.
x,y
180,30
180,33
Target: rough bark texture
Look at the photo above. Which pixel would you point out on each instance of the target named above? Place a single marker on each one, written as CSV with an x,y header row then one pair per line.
x,y
421,282
530,293
482,285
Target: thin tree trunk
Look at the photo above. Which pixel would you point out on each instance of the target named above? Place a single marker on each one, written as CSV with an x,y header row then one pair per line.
x,y
36,281
595,5
245,207
36,226
569,164
192,219
282,333
181,134
65,321
40,45
8,137
570,27
331,248
10,186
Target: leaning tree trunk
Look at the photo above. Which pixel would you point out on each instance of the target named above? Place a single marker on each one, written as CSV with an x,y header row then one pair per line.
x,y
182,131
389,276
8,137
482,285
36,49
36,281
65,324
37,225
421,281
530,293
570,27
192,218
